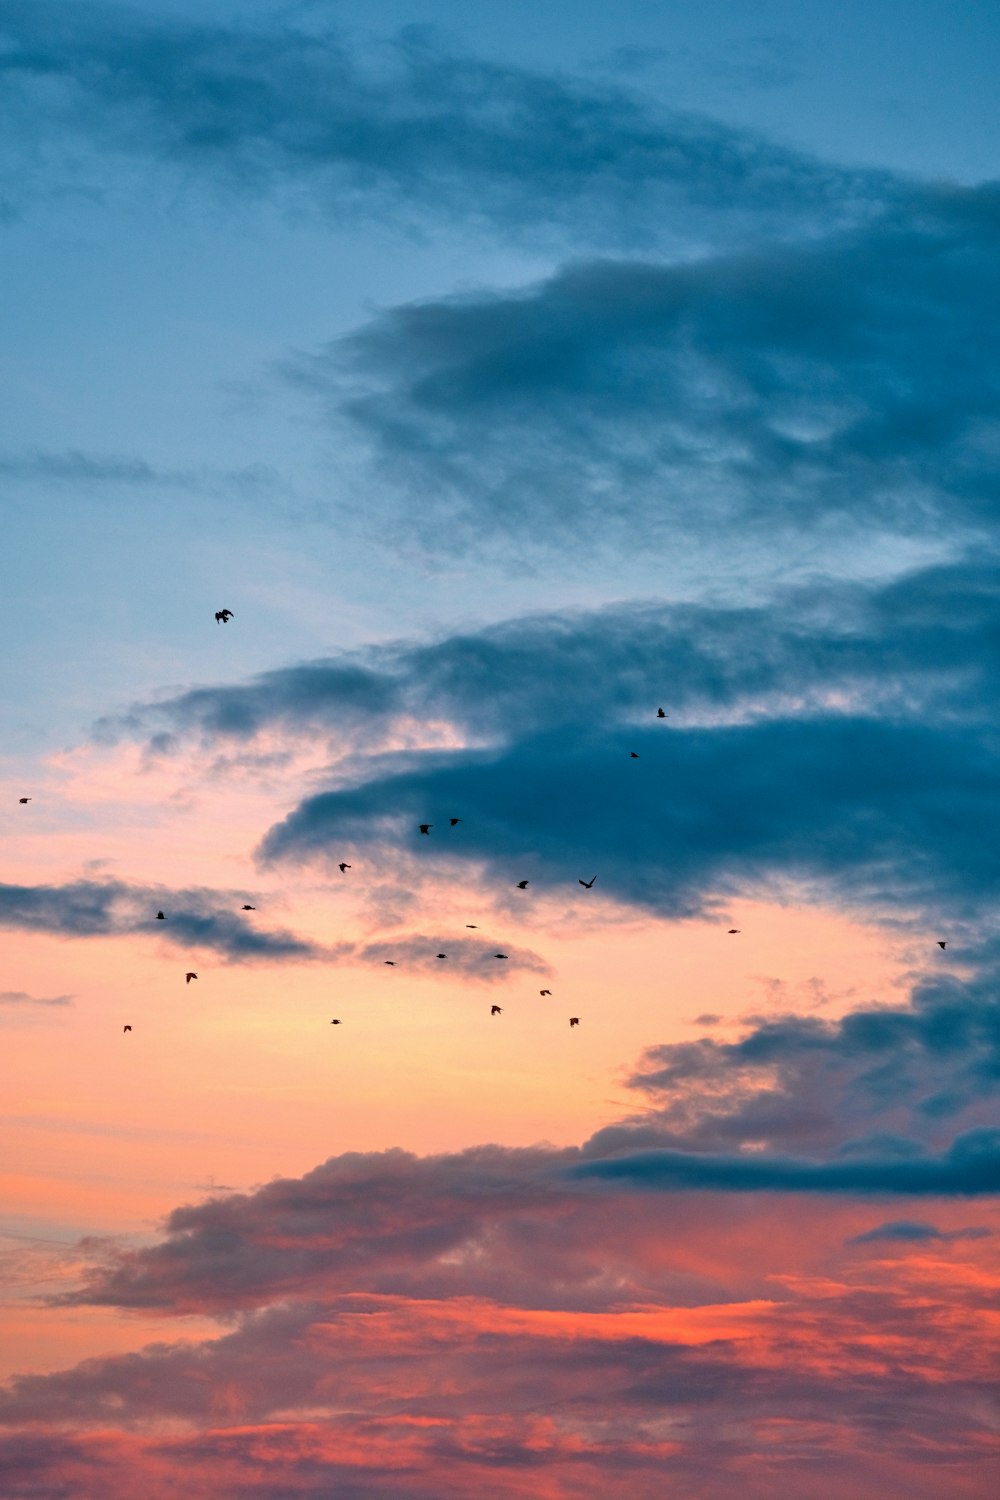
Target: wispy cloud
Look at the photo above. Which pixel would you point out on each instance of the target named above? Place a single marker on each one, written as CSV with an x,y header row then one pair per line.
x,y
916,1232
18,998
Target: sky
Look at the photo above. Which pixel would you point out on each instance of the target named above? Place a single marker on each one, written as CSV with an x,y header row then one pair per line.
x,y
508,374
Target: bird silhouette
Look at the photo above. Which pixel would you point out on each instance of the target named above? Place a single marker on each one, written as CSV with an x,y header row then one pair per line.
x,y
22,800
426,827
126,1028
344,867
334,1023
633,755
472,926
587,883
661,715
500,955
188,978
248,908
495,1010
545,992
574,1020
453,821
223,615
390,961
160,917
940,944
522,885
441,955
733,931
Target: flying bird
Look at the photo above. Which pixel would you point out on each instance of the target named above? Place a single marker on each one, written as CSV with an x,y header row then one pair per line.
x,y
223,615
426,827
522,885
661,715
472,926
545,992
453,821
390,961
334,1023
587,883
500,955
126,1028
343,867
940,943
248,908
495,1010
160,917
441,955
733,931
633,755
188,978
574,1020
22,800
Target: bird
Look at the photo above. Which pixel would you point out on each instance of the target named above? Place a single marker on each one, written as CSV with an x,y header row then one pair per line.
x,y
441,955
661,715
390,961
126,1028
426,827
344,867
940,943
453,821
500,955
160,917
223,615
248,908
472,926
545,992
188,978
22,800
633,755
334,1023
495,1010
574,1020
522,885
587,883
733,931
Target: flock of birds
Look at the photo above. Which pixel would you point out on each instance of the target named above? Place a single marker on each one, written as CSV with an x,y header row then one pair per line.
x,y
222,617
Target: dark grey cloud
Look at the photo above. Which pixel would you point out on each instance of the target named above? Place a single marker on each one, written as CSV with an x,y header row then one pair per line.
x,y
847,386
20,997
915,1232
405,127
109,908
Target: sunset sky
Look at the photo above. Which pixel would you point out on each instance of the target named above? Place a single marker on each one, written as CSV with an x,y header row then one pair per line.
x,y
510,373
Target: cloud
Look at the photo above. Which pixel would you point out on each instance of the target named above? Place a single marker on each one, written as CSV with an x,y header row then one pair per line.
x,y
109,908
910,1231
19,997
843,386
403,128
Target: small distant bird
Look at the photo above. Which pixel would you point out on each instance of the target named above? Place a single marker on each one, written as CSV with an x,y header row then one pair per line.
x,y
587,883
633,755
248,908
188,978
545,992
22,800
441,955
334,1023
126,1028
453,821
661,715
160,917
343,867
574,1020
390,961
495,1010
426,827
472,926
223,615
940,944
500,955
522,885
733,931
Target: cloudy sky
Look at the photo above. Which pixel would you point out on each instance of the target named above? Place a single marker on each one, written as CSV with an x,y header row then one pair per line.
x,y
509,372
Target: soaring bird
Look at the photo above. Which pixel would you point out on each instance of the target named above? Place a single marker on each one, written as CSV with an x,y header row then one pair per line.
x,y
633,755
441,955
495,1010
248,908
390,961
22,800
661,715
733,931
334,1023
500,955
587,883
126,1028
574,1020
545,992
426,827
160,917
188,978
522,885
343,866
453,821
223,615
939,943
472,926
